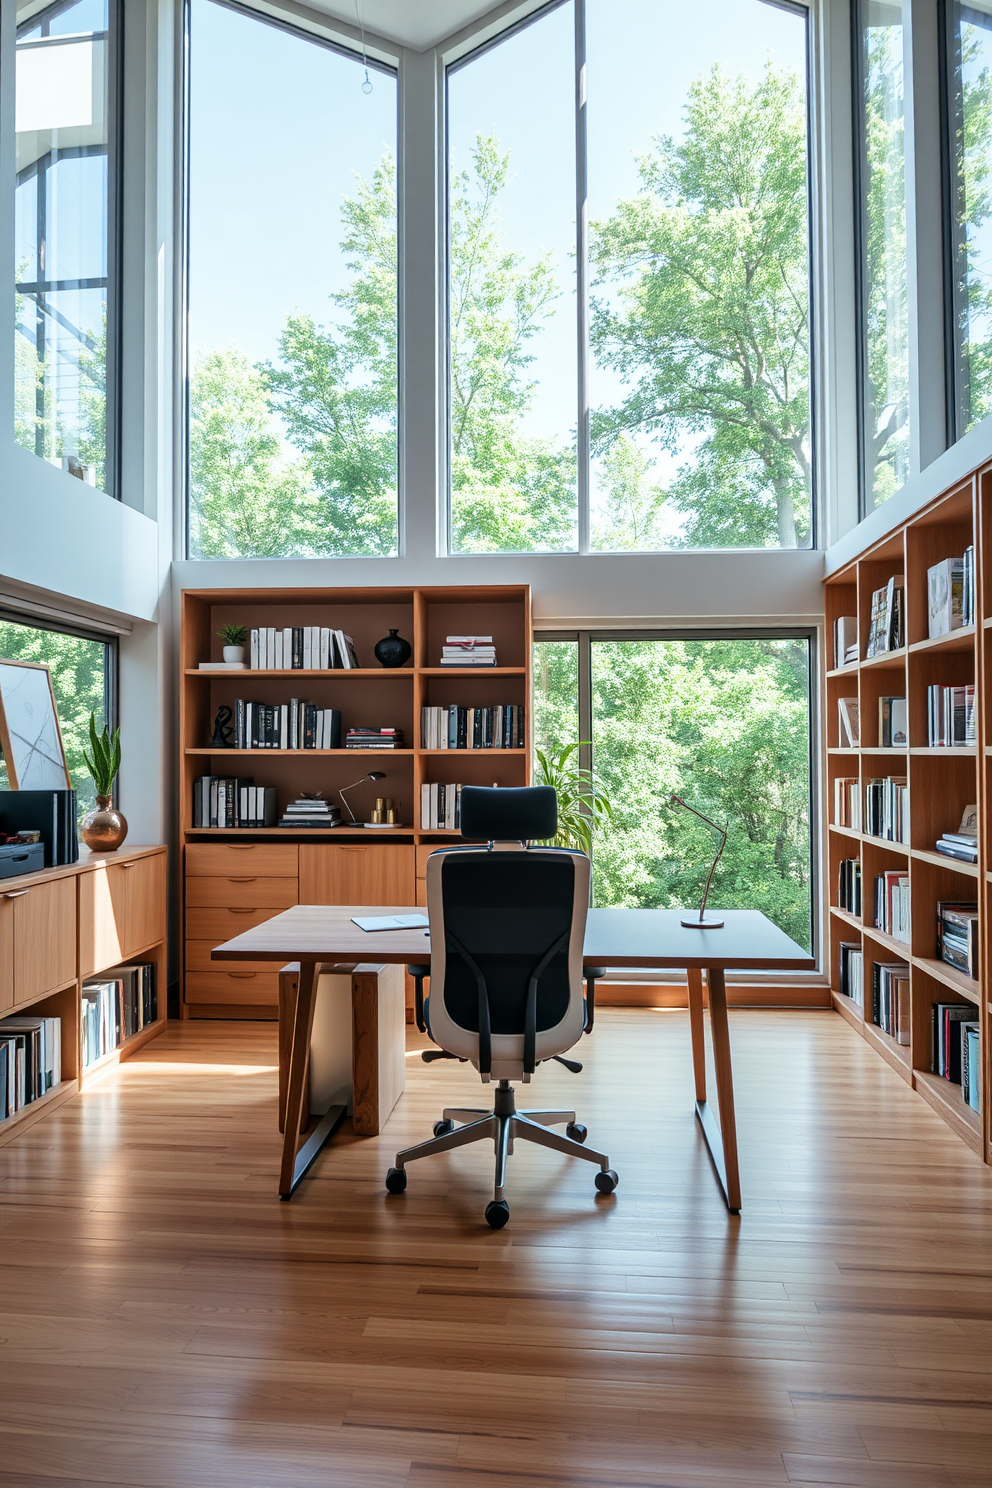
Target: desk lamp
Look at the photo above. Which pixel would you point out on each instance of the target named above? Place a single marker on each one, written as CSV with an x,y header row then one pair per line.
x,y
372,775
689,921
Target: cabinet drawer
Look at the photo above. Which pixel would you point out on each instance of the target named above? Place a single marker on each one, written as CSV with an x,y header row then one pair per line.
x,y
198,958
121,911
233,986
271,859
247,890
218,925
359,873
44,937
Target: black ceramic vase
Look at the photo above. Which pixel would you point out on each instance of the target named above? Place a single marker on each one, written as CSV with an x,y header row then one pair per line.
x,y
392,650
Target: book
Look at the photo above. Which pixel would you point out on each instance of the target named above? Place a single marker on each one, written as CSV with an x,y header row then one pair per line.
x,y
962,844
892,905
951,717
849,885
886,631
945,1037
957,935
971,1067
891,999
845,640
223,666
851,961
945,595
893,726
886,813
847,802
850,726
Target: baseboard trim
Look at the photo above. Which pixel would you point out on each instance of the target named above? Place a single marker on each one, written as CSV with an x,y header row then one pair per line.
x,y
739,994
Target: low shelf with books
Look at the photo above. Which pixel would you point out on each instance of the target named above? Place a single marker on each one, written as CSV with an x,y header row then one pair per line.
x,y
922,600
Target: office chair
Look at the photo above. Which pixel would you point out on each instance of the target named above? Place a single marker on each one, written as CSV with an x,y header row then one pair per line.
x,y
506,923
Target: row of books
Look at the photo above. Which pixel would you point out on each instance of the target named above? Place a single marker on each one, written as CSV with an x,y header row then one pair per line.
x,y
887,626
467,650
499,727
114,1007
971,1065
296,724
951,594
374,738
849,885
951,720
440,806
847,802
845,640
301,648
893,724
957,935
851,969
892,904
887,808
891,1007
962,844
30,1061
222,801
954,1047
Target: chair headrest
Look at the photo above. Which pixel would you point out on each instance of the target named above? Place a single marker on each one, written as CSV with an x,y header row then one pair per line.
x,y
514,814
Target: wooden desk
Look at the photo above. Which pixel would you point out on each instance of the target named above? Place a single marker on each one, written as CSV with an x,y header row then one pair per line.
x,y
315,934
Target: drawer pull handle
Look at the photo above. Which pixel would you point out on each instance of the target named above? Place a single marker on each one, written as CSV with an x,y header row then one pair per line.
x,y
126,865
239,911
242,974
17,894
241,880
241,846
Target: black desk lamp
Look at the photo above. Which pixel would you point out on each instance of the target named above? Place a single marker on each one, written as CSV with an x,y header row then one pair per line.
x,y
372,775
689,921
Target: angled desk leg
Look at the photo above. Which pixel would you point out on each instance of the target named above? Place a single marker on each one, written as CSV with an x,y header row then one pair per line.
x,y
695,980
296,1162
721,1140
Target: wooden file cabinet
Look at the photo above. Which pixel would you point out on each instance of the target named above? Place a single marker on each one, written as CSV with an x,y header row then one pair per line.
x,y
230,887
356,873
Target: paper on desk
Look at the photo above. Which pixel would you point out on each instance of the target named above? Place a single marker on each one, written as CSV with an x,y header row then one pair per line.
x,y
390,922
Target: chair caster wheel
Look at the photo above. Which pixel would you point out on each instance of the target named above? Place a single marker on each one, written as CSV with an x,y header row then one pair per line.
x,y
576,1131
396,1180
607,1181
442,1128
497,1213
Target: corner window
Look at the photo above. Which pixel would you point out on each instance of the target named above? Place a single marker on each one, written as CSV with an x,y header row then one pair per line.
x,y
628,281
292,330
65,228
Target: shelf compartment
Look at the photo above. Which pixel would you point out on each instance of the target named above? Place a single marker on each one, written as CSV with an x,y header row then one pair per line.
x,y
29,1114
886,661
896,948
847,918
949,976
299,753
894,1054
938,860
962,639
946,1099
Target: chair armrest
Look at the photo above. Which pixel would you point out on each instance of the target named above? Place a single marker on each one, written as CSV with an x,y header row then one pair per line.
x,y
591,973
418,973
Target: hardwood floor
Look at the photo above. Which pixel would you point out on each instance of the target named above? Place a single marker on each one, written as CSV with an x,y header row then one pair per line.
x,y
166,1322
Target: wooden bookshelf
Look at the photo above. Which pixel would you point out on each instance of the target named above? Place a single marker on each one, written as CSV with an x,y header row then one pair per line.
x,y
942,781
221,894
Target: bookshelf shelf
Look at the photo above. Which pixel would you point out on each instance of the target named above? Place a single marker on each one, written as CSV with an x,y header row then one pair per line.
x,y
942,782
305,834
29,1114
469,753
295,753
472,671
327,674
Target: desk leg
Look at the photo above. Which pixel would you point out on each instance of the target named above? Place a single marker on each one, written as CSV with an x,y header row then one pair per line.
x,y
695,980
722,1139
295,1163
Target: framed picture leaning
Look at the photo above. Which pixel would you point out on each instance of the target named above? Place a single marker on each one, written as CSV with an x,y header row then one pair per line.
x,y
30,736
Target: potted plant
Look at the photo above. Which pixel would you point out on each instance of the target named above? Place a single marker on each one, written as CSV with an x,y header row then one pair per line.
x,y
582,802
234,637
104,828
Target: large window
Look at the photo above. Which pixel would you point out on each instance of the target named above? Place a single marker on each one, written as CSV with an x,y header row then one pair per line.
x,y
969,91
722,722
83,670
629,182
884,289
292,293
65,236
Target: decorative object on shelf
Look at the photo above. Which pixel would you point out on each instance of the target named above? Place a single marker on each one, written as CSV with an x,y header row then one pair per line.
x,y
29,728
392,650
583,804
468,651
383,813
690,921
234,638
104,828
222,735
371,775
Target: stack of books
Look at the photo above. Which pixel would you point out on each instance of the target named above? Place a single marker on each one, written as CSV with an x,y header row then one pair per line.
x,y
947,1022
847,802
962,844
893,723
222,801
887,627
951,720
849,721
468,651
374,738
301,648
30,1061
310,811
440,807
297,724
951,594
852,971
849,885
890,999
499,727
845,640
115,1006
892,904
957,935
887,808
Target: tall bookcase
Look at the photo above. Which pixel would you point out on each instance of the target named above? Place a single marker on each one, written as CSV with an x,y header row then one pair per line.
x,y
237,878
942,781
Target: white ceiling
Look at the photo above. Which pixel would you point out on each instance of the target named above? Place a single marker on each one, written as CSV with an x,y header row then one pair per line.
x,y
418,24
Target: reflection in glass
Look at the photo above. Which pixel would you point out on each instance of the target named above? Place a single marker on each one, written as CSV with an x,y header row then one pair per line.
x,y
62,233
886,323
970,95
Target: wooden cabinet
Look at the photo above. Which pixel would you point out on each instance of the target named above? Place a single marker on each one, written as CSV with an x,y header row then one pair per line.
x,y
44,937
6,953
244,987
121,911
356,873
267,859
246,891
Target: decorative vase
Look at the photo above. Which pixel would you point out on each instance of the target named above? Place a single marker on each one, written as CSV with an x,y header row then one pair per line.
x,y
103,829
393,650
234,653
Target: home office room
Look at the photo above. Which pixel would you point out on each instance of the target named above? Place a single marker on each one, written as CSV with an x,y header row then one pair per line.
x,y
494,754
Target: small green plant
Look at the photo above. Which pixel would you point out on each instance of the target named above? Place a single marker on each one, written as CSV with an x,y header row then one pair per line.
x,y
105,759
583,804
233,635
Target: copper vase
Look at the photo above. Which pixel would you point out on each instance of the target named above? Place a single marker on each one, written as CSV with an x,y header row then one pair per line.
x,y
104,828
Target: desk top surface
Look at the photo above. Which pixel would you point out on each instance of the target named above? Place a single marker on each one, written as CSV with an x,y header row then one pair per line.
x,y
614,937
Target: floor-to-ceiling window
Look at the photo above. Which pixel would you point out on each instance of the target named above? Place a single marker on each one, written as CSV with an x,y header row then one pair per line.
x,y
65,228
292,327
722,721
629,281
